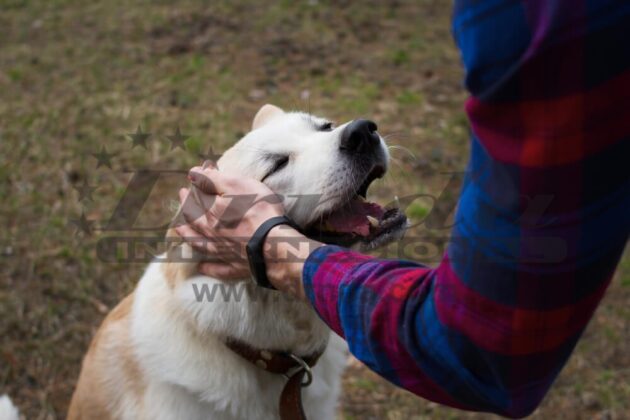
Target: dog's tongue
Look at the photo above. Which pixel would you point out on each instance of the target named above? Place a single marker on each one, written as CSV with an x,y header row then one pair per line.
x,y
353,217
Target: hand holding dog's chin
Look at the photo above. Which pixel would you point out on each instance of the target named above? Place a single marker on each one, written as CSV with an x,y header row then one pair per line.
x,y
208,216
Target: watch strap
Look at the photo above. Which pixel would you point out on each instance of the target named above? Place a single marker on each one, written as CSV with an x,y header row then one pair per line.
x,y
255,249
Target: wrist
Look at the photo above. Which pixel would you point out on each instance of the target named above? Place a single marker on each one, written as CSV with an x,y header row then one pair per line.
x,y
285,252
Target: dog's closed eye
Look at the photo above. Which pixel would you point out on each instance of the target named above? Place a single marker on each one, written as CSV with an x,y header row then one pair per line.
x,y
279,163
327,126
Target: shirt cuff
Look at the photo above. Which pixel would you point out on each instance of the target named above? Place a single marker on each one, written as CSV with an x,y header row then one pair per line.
x,y
325,271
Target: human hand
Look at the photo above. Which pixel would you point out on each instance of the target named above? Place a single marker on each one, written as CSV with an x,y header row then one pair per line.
x,y
223,212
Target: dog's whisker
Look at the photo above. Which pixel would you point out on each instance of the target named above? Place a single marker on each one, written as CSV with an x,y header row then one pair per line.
x,y
396,134
395,160
404,149
398,164
308,103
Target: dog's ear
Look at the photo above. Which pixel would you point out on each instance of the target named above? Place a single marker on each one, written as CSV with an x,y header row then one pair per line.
x,y
265,114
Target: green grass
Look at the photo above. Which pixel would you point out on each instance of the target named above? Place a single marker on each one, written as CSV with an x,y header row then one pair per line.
x,y
417,212
76,76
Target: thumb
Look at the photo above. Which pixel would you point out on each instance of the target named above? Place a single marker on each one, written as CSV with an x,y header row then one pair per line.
x,y
209,180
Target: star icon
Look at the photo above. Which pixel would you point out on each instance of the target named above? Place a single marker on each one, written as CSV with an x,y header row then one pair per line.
x,y
177,139
103,158
210,155
139,138
83,224
85,191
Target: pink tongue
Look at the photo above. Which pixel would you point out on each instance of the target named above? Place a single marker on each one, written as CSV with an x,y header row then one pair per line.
x,y
353,217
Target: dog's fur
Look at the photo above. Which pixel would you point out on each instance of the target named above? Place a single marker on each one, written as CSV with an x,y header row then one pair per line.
x,y
7,410
160,353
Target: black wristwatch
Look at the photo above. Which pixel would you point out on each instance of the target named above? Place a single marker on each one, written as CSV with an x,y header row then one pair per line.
x,y
255,253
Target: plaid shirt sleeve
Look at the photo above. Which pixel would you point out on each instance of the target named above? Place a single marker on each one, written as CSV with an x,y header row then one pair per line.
x,y
490,328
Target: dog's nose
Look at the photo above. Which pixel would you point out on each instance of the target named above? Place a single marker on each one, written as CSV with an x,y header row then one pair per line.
x,y
359,136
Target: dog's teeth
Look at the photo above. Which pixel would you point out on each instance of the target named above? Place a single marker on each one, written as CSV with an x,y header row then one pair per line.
x,y
373,221
397,201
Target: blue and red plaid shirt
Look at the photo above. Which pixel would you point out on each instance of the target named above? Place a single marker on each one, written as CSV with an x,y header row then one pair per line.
x,y
491,327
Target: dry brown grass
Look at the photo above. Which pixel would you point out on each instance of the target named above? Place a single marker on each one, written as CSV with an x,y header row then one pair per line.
x,y
75,76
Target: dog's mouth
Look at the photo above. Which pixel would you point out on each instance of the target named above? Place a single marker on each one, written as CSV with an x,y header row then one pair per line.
x,y
360,221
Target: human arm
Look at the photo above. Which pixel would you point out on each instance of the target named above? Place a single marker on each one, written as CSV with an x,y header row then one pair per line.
x,y
492,326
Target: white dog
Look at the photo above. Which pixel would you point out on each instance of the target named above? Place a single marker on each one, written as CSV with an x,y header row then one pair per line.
x,y
162,353
7,410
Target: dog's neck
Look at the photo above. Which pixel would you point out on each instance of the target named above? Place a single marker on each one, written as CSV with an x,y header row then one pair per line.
x,y
241,310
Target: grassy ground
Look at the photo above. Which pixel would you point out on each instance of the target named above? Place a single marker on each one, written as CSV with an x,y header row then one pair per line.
x,y
75,76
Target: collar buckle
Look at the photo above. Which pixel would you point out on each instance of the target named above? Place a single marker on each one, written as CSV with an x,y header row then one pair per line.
x,y
303,366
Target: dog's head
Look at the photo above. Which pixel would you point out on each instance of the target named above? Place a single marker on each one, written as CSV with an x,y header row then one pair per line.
x,y
323,172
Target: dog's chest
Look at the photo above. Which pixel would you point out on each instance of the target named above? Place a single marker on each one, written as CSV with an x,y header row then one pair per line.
x,y
179,343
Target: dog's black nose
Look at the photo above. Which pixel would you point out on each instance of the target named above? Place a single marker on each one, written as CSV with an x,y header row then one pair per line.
x,y
359,136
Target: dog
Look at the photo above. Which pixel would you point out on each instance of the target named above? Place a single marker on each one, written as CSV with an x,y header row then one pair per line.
x,y
163,354
8,411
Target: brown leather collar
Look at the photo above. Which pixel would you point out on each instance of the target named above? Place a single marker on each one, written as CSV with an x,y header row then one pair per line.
x,y
294,368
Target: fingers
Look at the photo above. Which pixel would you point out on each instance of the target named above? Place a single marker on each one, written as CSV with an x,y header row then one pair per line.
x,y
216,268
208,164
222,271
210,180
196,240
189,234
204,201
193,211
213,197
202,179
183,194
